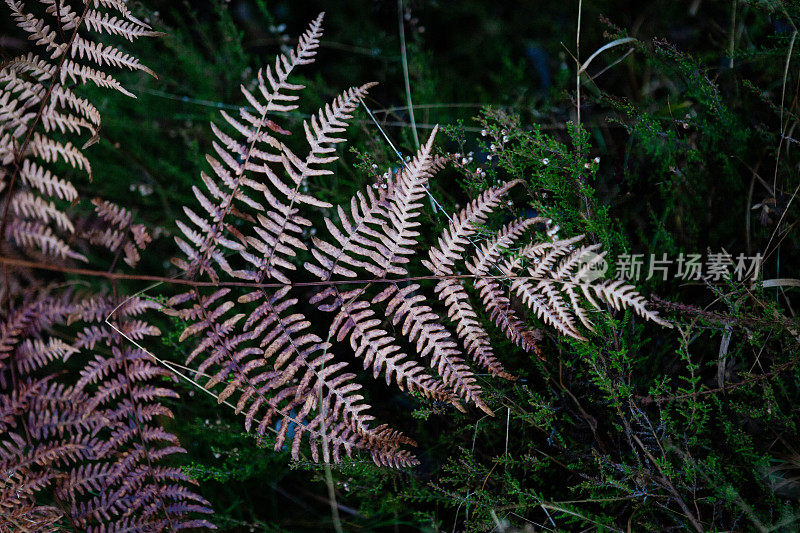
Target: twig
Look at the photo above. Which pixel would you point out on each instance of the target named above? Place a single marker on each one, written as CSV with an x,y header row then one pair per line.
x,y
658,400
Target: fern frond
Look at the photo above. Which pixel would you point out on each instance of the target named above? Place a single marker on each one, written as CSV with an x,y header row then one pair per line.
x,y
47,183
560,269
378,243
94,447
25,204
258,352
39,236
453,242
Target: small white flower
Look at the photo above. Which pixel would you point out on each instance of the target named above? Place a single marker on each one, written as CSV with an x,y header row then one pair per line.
x,y
479,170
464,161
587,165
483,133
489,157
597,160
383,185
545,161
492,147
505,138
374,166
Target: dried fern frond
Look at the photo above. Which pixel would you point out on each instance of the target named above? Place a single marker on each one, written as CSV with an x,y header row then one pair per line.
x,y
378,245
92,446
40,110
270,366
258,352
116,231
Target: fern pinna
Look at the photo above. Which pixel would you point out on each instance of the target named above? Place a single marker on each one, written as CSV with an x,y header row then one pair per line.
x,y
255,349
79,448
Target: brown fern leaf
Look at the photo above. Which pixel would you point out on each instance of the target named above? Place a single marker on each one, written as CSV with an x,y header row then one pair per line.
x,y
490,290
205,253
269,366
452,243
379,243
37,110
94,446
257,351
118,232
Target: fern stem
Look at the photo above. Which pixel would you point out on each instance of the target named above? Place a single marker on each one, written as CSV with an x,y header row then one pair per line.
x,y
9,261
